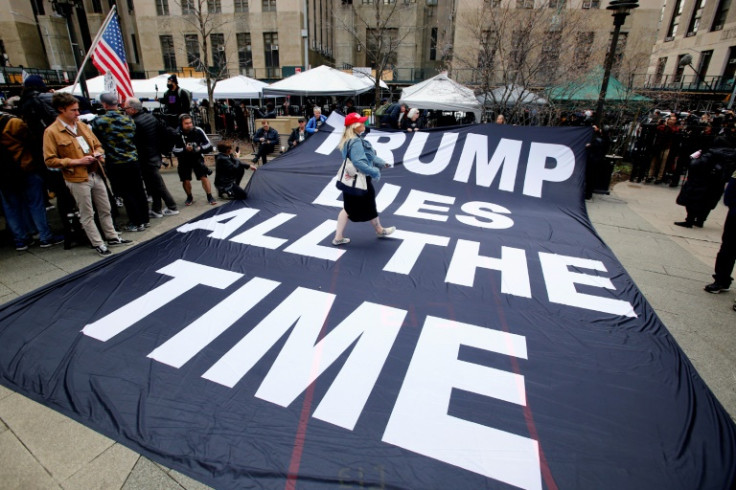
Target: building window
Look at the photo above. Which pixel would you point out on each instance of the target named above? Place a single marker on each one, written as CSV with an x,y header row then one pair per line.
x,y
518,52
130,5
38,8
524,4
245,53
241,6
661,64
720,18
389,44
551,53
433,44
162,7
679,69
191,43
591,4
167,51
494,3
583,48
676,14
269,5
431,2
730,70
134,43
556,4
96,6
187,7
692,28
214,6
271,52
703,65
219,60
387,2
366,2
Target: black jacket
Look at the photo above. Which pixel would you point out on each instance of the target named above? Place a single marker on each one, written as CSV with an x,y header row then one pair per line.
x,y
197,137
706,177
272,136
228,170
294,137
177,102
147,134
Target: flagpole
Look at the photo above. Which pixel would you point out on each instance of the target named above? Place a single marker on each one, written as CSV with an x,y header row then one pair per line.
x,y
94,45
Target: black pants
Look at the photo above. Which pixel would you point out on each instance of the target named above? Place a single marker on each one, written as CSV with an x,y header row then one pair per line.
x,y
233,191
697,213
263,150
727,254
127,183
156,188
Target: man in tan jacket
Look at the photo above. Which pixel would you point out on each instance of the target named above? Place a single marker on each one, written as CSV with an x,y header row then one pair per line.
x,y
69,144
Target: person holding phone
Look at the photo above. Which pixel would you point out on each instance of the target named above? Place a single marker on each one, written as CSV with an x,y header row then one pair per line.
x,y
70,145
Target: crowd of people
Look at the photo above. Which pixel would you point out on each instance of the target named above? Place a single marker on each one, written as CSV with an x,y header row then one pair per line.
x,y
48,150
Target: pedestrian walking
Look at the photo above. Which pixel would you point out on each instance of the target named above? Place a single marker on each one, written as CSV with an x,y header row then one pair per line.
x,y
360,208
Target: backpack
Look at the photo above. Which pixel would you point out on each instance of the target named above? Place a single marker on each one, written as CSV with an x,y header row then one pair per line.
x,y
167,137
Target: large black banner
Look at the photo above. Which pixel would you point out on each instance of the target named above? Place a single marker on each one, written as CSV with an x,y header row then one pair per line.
x,y
493,341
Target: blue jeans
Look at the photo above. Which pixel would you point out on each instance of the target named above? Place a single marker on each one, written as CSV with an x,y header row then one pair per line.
x,y
25,207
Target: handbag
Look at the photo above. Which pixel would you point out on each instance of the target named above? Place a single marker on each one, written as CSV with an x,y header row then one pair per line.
x,y
350,180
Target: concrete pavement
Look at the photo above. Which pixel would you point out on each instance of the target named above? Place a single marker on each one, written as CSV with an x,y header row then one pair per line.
x,y
43,449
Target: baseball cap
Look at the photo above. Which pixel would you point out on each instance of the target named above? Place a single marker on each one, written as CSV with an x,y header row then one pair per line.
x,y
353,118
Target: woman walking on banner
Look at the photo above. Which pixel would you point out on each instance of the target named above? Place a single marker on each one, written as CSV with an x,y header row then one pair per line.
x,y
360,208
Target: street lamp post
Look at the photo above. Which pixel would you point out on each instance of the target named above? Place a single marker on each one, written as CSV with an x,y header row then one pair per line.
x,y
621,9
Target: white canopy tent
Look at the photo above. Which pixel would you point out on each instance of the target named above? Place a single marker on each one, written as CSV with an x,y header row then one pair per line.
x,y
237,87
441,93
511,95
143,89
321,80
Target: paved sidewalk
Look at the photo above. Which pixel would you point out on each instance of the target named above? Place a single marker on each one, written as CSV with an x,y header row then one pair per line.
x,y
43,449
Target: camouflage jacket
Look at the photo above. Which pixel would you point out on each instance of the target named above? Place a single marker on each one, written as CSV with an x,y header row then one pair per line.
x,y
116,132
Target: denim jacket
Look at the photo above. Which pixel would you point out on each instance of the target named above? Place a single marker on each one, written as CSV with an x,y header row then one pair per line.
x,y
364,157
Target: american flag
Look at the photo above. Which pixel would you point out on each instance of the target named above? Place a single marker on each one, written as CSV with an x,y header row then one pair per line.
x,y
109,56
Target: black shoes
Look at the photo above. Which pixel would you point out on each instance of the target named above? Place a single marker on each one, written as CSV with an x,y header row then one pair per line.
x,y
685,224
716,288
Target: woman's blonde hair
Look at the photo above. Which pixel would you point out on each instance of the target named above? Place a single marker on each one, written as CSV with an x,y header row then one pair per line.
x,y
348,134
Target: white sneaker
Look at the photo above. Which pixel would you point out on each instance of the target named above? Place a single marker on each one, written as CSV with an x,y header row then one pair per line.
x,y
154,214
170,212
386,231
